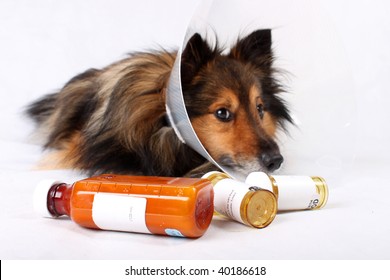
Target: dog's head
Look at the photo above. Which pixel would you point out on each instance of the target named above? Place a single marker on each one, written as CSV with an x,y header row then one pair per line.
x,y
233,101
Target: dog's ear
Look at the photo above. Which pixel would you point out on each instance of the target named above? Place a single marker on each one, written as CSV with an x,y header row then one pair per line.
x,y
196,54
254,48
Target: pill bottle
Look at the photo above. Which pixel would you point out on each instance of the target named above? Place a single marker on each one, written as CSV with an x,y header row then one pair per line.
x,y
157,205
292,192
243,203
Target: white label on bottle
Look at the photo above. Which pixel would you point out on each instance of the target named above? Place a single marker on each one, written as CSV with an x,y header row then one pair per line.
x,y
296,192
228,195
119,212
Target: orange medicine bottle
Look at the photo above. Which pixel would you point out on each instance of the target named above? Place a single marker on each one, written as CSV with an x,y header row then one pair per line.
x,y
157,205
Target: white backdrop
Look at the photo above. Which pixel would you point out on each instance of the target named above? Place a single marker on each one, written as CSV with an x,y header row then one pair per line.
x,y
337,54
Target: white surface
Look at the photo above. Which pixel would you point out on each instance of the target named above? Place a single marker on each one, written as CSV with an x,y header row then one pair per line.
x,y
44,43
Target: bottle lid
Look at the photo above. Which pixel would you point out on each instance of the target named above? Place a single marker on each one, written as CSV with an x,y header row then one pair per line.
x,y
215,176
260,209
208,174
322,190
40,197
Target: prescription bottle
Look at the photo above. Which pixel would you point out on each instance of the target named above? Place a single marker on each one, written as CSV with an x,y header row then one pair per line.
x,y
157,205
243,203
292,192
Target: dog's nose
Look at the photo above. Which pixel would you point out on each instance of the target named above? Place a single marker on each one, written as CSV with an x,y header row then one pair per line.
x,y
272,161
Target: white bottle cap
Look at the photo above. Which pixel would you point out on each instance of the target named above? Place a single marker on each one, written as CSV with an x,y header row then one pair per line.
x,y
40,197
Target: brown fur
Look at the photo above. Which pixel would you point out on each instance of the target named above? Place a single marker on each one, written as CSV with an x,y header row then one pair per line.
x,y
114,119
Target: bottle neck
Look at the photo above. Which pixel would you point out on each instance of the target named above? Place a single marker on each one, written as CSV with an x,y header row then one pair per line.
x,y
58,199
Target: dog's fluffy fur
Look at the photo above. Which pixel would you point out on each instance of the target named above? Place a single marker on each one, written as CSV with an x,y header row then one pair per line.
x,y
114,119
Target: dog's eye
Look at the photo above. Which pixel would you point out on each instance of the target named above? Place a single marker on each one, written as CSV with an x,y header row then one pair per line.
x,y
260,109
223,114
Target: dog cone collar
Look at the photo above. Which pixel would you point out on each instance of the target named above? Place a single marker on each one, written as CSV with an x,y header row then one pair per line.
x,y
179,119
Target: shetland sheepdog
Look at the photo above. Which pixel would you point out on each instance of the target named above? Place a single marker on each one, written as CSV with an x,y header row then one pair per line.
x,y
114,119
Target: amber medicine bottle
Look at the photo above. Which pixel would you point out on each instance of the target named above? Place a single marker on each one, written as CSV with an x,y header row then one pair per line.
x,y
158,205
293,192
248,205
